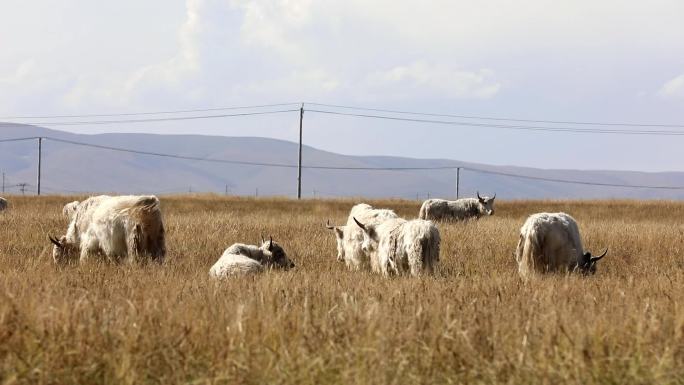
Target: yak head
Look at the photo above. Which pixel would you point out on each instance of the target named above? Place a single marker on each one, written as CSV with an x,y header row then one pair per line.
x,y
275,255
587,262
339,236
486,204
370,237
63,252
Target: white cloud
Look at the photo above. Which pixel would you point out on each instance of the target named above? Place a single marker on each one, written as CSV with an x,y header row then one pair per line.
x,y
673,88
440,81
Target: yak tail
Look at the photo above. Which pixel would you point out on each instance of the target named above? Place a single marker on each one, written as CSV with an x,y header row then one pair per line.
x,y
135,243
527,254
427,249
422,214
146,237
147,203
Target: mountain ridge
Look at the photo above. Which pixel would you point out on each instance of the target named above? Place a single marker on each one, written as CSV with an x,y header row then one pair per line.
x,y
71,168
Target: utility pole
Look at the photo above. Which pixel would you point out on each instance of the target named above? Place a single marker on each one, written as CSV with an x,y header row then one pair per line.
x,y
40,157
3,182
299,165
22,188
458,177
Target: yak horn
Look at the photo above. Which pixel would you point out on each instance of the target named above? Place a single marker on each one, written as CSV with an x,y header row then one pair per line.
x,y
55,241
361,225
494,197
478,196
594,259
327,225
270,242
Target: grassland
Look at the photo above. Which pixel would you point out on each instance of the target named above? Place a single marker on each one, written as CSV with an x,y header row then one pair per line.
x,y
474,323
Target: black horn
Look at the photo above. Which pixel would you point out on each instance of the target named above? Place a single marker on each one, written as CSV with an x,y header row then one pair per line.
x,y
494,197
478,196
270,242
594,259
55,241
327,225
361,225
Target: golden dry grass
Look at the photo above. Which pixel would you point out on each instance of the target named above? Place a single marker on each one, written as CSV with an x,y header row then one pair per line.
x,y
475,322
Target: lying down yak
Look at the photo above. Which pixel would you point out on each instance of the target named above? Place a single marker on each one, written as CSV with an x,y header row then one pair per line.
x,y
122,228
241,259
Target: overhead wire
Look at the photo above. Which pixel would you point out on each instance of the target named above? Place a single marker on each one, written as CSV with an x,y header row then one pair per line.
x,y
127,121
497,118
149,112
507,126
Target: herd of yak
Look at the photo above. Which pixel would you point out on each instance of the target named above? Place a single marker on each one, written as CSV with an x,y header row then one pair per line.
x,y
130,228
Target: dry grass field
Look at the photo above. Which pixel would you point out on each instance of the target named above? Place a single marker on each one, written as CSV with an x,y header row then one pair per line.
x,y
473,323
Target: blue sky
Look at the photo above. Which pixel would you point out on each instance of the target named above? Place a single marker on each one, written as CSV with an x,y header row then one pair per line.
x,y
612,61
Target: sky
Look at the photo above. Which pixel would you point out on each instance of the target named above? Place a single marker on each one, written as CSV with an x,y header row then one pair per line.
x,y
580,60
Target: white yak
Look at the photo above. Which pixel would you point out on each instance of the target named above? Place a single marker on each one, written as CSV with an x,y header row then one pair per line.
x,y
350,237
460,209
402,247
551,242
120,227
241,259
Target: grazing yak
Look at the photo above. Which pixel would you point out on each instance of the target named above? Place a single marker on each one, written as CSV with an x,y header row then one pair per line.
x,y
3,203
460,209
551,242
241,259
120,227
400,246
350,237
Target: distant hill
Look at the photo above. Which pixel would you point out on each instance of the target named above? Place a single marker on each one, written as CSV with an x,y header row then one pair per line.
x,y
69,168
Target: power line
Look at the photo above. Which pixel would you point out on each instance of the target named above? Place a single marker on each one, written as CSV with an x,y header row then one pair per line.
x,y
498,118
318,167
143,113
239,162
175,156
149,112
572,181
124,121
506,126
18,139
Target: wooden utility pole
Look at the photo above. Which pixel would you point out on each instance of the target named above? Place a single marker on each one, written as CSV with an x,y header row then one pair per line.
x,y
299,165
40,157
458,177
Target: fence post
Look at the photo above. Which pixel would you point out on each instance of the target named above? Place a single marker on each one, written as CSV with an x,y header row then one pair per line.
x,y
40,156
299,164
